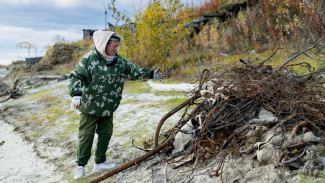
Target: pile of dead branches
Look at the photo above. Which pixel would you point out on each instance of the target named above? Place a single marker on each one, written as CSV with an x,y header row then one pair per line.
x,y
233,98
226,119
228,116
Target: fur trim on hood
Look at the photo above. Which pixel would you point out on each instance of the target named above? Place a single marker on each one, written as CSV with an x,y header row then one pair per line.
x,y
100,39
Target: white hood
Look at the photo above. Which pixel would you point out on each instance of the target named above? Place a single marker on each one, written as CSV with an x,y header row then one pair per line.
x,y
100,39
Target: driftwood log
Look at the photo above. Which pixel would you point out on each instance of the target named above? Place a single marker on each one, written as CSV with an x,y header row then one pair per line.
x,y
50,77
12,93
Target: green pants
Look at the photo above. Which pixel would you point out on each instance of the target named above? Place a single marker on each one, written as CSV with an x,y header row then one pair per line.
x,y
90,124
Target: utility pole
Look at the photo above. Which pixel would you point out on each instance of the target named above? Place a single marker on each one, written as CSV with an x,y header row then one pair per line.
x,y
35,50
105,16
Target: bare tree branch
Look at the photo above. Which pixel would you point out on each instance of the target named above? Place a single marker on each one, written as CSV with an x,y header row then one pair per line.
x,y
296,55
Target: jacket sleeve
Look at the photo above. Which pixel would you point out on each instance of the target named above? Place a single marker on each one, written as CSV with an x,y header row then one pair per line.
x,y
136,72
78,78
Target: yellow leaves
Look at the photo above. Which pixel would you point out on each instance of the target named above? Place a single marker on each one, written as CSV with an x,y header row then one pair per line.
x,y
154,13
159,31
297,21
207,40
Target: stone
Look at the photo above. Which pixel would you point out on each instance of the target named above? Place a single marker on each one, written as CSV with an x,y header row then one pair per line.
x,y
310,137
264,116
265,153
181,139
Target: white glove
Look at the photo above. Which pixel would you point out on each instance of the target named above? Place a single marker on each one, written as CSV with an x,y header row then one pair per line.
x,y
76,102
156,75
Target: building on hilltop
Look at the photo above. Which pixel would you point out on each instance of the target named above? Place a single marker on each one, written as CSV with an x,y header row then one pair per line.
x,y
33,60
88,33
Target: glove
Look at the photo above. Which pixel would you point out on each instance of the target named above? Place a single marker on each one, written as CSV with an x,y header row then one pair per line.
x,y
76,102
156,75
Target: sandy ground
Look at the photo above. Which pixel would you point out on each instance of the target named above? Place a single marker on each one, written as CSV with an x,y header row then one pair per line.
x,y
25,165
3,72
19,163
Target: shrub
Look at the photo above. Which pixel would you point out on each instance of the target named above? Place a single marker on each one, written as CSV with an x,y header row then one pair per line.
x,y
159,31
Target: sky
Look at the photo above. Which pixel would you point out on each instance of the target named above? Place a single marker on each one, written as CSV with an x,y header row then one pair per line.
x,y
40,22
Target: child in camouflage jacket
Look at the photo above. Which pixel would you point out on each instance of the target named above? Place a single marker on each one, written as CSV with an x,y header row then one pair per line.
x,y
96,87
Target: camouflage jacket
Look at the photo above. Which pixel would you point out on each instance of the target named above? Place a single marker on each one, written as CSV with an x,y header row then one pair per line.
x,y
100,82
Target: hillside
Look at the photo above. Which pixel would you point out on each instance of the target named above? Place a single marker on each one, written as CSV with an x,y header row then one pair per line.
x,y
258,106
44,120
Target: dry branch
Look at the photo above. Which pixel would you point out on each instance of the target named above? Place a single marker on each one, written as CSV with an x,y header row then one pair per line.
x,y
292,134
131,163
296,55
13,92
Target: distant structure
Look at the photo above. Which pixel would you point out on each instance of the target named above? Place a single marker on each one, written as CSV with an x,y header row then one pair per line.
x,y
228,11
131,27
203,20
110,26
33,60
88,33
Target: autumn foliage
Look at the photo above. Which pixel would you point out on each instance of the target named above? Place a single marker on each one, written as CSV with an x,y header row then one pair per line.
x,y
159,31
161,39
272,23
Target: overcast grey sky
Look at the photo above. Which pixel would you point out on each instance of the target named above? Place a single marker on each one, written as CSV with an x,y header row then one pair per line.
x,y
39,21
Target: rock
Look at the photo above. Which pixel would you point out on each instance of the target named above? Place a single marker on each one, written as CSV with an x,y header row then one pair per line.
x,y
249,150
265,113
310,137
264,116
181,139
322,159
265,153
274,138
268,136
277,140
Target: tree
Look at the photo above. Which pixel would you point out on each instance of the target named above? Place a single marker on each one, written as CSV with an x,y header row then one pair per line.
x,y
58,39
158,31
